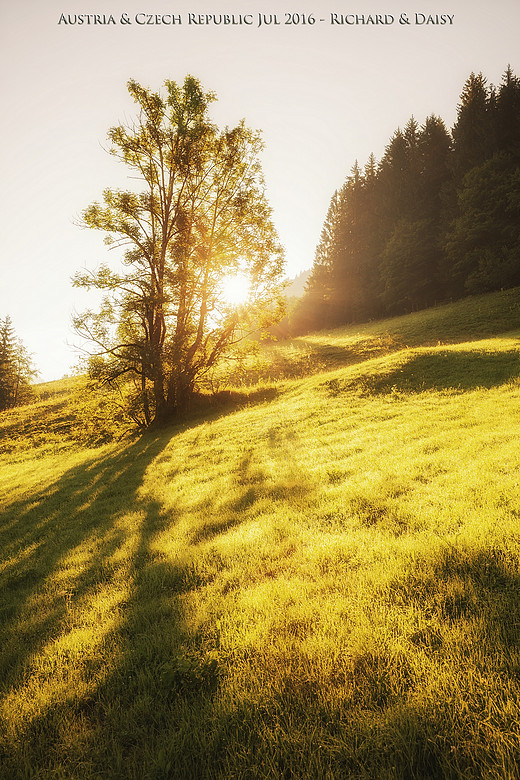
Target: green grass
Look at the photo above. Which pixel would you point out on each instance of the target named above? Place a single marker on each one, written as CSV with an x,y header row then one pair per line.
x,y
322,582
471,319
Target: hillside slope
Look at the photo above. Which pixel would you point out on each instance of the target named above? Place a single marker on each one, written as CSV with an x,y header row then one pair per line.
x,y
321,582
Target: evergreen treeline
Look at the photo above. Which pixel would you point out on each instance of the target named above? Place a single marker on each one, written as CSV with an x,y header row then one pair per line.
x,y
15,368
436,219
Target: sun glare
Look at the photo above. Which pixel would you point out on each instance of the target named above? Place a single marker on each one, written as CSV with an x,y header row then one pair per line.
x,y
235,289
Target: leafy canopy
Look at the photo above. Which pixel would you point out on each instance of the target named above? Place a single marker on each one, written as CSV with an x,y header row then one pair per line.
x,y
201,217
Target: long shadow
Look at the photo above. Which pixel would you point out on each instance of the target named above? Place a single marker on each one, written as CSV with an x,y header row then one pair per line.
x,y
251,483
63,546
447,370
80,515
149,662
39,533
156,712
80,510
333,356
478,590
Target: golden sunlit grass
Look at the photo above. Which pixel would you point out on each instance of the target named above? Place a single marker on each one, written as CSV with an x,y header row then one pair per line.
x,y
320,585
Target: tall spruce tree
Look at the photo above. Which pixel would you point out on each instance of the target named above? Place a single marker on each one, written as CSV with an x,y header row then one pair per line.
x,y
16,371
318,307
481,241
409,266
411,255
7,378
343,286
483,244
474,131
356,268
507,119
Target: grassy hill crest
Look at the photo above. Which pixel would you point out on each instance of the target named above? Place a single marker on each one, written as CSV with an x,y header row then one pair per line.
x,y
64,412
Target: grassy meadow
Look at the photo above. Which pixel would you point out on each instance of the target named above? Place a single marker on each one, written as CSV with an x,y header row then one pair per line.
x,y
319,578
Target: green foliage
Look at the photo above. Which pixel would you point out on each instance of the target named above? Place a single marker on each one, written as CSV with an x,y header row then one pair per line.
x,y
16,371
473,133
61,416
508,116
408,268
436,219
202,216
483,245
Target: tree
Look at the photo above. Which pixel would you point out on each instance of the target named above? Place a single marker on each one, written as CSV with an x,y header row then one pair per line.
x,y
435,173
343,286
399,177
16,370
408,269
474,132
412,252
437,217
508,116
201,217
321,305
355,270
483,245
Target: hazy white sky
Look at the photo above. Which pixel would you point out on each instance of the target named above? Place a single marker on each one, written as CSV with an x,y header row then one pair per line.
x,y
323,94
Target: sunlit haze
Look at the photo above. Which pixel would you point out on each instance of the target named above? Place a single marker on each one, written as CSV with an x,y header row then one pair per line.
x,y
324,92
235,289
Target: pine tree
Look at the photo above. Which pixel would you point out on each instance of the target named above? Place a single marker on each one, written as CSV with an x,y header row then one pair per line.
x,y
435,149
438,217
473,133
318,307
409,267
7,380
356,267
508,116
483,244
414,172
16,370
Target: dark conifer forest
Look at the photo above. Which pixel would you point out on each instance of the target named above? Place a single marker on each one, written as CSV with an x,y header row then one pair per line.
x,y
437,218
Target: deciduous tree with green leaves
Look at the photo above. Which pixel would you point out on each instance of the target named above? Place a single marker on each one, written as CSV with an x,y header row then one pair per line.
x,y
201,217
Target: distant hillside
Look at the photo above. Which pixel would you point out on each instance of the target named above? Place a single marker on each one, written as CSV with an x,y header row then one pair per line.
x,y
296,287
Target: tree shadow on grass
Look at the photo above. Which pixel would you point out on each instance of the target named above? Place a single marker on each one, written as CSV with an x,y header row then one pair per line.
x,y
71,526
96,689
318,356
457,370
441,702
465,724
253,483
145,703
86,541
